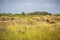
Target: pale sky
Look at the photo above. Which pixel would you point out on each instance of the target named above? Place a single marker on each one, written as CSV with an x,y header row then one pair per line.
x,y
17,6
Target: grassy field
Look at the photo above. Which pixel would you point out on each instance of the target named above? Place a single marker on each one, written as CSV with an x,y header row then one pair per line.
x,y
30,28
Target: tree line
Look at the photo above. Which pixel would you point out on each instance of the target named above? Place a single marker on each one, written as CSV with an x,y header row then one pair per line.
x,y
31,13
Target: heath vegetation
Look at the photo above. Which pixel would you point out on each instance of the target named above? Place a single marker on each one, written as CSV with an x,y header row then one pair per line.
x,y
30,26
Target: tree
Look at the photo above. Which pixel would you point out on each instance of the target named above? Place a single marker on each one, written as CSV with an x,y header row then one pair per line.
x,y
23,13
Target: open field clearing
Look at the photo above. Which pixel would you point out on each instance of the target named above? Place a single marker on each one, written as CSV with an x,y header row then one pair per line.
x,y
30,28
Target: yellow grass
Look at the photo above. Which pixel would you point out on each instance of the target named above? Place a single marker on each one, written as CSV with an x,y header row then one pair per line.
x,y
29,28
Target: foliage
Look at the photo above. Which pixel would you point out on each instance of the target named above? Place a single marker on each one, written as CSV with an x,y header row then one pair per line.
x,y
23,13
39,13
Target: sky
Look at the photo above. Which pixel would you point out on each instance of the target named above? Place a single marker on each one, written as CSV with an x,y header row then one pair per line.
x,y
18,6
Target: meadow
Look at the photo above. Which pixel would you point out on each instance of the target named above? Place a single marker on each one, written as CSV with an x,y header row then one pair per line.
x,y
33,27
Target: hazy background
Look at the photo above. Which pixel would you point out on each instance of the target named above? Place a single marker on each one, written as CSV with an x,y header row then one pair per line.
x,y
17,6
